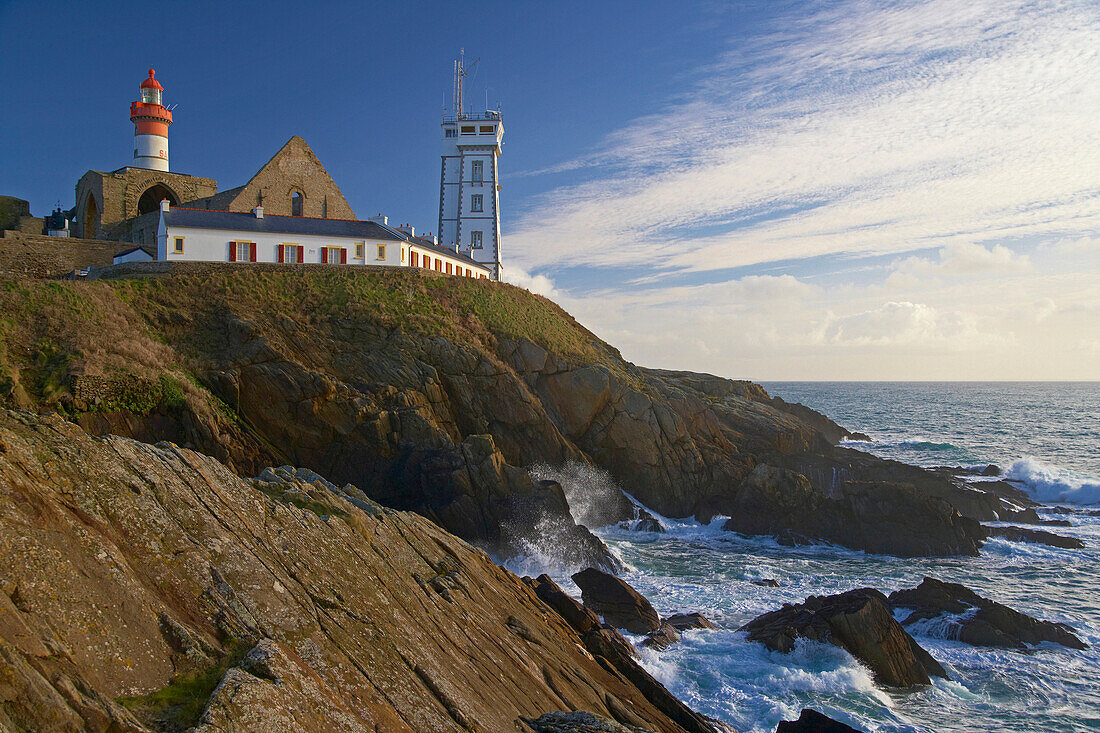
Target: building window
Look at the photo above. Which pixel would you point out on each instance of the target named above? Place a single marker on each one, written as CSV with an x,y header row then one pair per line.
x,y
243,251
477,170
427,262
289,253
476,202
448,268
381,251
415,257
334,255
177,245
469,130
359,250
296,201
450,132
402,255
475,240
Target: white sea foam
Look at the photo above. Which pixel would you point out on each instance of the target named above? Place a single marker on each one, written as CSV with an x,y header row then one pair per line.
x,y
1052,484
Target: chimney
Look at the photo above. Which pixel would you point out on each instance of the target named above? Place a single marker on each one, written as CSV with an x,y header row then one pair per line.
x,y
165,205
259,212
380,219
435,239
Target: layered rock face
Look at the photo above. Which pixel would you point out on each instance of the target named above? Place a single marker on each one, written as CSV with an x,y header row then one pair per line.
x,y
614,599
858,621
392,381
129,568
977,620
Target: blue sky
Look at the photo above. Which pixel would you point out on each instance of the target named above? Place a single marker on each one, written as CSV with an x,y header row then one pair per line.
x,y
772,190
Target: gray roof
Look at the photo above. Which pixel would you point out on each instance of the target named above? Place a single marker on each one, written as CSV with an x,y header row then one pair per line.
x,y
247,222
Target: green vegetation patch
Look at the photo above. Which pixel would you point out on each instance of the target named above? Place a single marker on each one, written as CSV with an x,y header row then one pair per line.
x,y
178,705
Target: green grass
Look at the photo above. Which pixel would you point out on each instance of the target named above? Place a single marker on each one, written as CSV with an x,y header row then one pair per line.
x,y
178,705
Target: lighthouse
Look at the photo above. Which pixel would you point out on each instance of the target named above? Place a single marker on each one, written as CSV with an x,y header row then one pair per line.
x,y
151,121
469,187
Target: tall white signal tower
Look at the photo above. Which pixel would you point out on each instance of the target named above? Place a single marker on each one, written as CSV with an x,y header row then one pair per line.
x,y
469,186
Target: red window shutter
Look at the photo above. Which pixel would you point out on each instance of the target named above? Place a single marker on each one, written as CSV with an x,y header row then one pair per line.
x,y
301,253
252,252
279,252
232,251
324,255
343,256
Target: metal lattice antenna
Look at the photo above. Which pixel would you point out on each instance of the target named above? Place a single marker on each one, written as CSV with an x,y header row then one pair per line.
x,y
460,75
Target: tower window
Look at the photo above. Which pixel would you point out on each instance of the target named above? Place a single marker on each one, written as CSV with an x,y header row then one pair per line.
x,y
477,170
476,202
475,240
450,132
296,201
485,129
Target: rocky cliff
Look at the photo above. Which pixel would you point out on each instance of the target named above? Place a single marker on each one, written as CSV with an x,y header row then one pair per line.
x,y
436,394
149,587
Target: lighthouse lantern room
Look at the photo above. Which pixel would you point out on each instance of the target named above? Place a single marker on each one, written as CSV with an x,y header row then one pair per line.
x,y
151,121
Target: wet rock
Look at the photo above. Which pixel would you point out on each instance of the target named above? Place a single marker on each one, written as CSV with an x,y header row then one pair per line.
x,y
766,582
618,603
980,622
662,638
688,621
646,522
890,518
1020,534
811,721
858,621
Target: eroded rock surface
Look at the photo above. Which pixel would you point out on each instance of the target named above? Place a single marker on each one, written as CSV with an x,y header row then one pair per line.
x,y
615,600
811,721
972,619
858,621
126,566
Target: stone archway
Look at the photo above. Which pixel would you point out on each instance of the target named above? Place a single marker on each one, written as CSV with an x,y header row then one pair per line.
x,y
90,224
151,198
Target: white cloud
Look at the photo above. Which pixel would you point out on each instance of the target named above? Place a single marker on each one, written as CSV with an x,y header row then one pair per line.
x,y
858,128
958,259
538,284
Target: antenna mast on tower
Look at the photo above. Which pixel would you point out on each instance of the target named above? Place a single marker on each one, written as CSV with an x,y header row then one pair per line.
x,y
461,72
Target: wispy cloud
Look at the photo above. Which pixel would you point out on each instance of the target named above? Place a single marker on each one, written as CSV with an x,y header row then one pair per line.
x,y
855,128
948,152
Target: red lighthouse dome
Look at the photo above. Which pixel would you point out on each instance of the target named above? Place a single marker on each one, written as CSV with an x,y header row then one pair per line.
x,y
151,82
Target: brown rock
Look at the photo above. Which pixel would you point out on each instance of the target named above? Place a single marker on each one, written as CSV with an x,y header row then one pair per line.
x,y
687,621
618,603
662,638
858,621
811,721
983,622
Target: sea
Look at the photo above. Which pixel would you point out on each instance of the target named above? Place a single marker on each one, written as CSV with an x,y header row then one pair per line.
x,y
1046,436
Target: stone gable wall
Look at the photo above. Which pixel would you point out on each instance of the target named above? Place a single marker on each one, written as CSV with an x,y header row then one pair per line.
x,y
295,168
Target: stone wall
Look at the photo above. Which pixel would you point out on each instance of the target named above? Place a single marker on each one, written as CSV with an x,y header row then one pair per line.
x,y
106,201
36,255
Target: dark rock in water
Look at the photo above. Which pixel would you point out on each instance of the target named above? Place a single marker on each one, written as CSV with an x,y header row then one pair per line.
x,y
1019,534
766,582
646,522
862,437
578,722
989,624
875,516
858,621
663,637
618,603
811,721
687,621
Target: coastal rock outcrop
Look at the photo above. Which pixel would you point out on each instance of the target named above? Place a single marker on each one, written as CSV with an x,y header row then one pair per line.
x,y
895,519
155,576
397,382
1039,536
858,621
811,721
618,603
688,621
975,620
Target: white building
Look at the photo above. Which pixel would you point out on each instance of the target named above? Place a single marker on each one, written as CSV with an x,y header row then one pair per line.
x,y
199,235
469,185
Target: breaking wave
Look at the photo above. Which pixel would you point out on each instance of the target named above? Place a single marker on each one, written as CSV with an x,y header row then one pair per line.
x,y
1047,483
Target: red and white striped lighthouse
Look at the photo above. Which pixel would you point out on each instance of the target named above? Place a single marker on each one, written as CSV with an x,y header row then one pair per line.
x,y
151,121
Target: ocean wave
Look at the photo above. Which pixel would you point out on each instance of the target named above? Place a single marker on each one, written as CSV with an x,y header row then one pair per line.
x,y
1048,483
